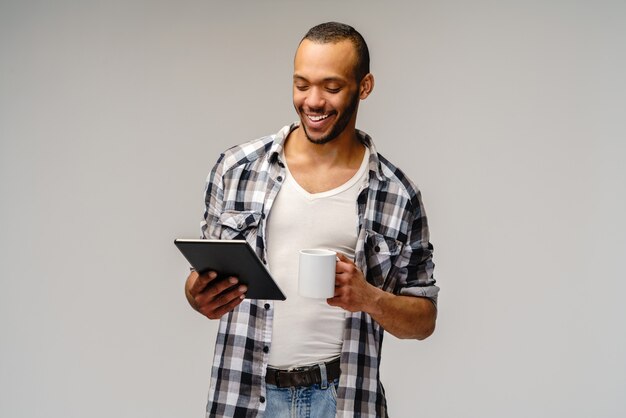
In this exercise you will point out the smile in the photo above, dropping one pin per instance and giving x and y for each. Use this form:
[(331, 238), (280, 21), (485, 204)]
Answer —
[(317, 118)]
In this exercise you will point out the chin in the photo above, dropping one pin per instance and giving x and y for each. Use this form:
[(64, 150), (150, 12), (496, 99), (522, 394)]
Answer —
[(321, 139)]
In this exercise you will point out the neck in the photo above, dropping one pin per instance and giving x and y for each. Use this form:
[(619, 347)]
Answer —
[(344, 150)]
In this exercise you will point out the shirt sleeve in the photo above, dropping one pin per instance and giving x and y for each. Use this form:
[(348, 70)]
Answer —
[(213, 201), (418, 255)]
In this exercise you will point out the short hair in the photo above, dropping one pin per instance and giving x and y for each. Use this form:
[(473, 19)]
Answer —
[(333, 32)]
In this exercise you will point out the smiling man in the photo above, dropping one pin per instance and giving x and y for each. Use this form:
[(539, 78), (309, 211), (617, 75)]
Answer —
[(317, 183), (326, 95)]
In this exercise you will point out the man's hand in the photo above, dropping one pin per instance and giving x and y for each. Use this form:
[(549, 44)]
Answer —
[(401, 316), (213, 297), (352, 292)]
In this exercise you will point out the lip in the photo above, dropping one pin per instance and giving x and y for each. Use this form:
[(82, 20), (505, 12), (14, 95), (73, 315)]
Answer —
[(318, 124)]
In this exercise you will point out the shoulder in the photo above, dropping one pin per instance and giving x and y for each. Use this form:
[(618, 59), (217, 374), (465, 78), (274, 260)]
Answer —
[(254, 151), (247, 152), (387, 177), (397, 178), (394, 206)]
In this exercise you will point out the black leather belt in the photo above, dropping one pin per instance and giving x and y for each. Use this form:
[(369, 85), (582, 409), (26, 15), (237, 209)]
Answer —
[(302, 376)]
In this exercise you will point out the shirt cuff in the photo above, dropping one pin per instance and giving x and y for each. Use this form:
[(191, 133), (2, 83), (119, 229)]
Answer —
[(429, 292)]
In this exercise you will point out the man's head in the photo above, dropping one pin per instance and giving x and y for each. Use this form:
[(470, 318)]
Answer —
[(334, 32), (331, 76)]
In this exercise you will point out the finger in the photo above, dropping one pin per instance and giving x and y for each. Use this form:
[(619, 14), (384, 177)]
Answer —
[(345, 268), (335, 301), (215, 288), (227, 296), (226, 308), (228, 301), (344, 262), (341, 279), (201, 281), (343, 258), (336, 296)]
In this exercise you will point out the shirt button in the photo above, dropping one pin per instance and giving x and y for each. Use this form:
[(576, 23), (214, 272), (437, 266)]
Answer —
[(262, 399), (267, 306), (279, 179), (377, 249), (266, 349)]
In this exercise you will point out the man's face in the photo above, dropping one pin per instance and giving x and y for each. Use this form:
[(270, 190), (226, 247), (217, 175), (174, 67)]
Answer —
[(325, 91)]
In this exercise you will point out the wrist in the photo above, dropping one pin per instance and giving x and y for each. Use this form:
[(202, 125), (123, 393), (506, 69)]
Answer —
[(375, 301)]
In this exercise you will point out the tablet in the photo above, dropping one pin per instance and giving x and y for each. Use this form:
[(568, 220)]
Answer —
[(231, 258)]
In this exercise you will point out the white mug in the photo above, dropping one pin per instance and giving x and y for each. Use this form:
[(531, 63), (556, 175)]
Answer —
[(316, 273)]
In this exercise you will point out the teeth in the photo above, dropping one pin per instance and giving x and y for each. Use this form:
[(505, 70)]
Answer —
[(317, 118)]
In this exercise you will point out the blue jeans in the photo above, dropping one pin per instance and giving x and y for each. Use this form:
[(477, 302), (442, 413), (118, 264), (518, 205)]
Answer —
[(315, 401)]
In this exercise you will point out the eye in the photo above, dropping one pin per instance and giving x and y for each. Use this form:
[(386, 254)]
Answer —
[(302, 87), (333, 90)]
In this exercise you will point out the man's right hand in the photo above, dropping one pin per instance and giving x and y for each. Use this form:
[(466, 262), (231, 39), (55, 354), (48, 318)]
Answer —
[(213, 297)]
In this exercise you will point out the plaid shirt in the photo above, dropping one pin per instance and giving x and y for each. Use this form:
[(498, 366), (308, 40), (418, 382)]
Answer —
[(393, 251)]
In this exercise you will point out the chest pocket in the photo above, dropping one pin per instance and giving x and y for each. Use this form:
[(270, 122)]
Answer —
[(240, 225), (381, 253)]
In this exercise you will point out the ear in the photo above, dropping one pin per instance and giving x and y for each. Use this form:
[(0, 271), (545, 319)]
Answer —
[(366, 86)]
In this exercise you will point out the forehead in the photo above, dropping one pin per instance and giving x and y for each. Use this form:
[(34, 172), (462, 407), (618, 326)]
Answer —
[(322, 60)]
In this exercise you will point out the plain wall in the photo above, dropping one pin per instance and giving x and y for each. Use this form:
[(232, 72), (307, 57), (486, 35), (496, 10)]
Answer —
[(508, 115)]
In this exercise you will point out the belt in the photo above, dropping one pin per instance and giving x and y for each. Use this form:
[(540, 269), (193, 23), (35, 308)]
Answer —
[(302, 376)]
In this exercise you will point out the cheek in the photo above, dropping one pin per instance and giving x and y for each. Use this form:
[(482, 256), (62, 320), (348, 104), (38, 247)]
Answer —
[(343, 102), (298, 99)]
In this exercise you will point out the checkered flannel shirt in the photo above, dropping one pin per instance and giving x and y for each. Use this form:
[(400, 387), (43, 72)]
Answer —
[(393, 251)]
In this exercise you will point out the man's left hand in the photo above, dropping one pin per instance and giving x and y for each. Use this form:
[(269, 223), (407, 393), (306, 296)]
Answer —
[(352, 292), (401, 316)]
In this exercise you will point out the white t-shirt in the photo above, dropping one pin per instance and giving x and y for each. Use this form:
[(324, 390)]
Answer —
[(308, 331)]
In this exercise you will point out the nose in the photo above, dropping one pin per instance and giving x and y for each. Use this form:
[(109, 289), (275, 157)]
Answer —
[(315, 99)]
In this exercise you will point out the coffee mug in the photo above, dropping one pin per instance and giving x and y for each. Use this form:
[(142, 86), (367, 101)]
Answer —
[(316, 273)]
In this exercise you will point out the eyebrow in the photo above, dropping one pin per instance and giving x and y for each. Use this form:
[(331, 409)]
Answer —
[(297, 77)]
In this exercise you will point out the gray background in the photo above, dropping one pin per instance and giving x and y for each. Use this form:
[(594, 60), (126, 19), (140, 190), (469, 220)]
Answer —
[(509, 115)]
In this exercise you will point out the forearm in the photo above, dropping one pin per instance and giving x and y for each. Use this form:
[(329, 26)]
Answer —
[(403, 316)]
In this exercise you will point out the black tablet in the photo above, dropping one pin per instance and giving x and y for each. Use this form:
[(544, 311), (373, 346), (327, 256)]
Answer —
[(231, 258)]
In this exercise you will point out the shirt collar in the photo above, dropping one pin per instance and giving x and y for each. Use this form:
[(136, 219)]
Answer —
[(278, 144)]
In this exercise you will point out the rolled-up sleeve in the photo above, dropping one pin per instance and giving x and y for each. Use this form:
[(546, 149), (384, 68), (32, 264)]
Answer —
[(417, 256)]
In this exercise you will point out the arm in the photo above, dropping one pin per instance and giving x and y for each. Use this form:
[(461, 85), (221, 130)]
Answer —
[(206, 293), (402, 316)]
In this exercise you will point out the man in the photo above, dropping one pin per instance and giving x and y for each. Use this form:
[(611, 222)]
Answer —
[(316, 183)]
